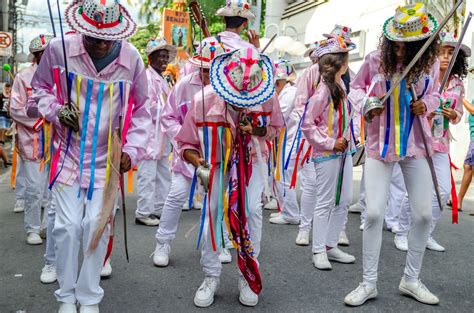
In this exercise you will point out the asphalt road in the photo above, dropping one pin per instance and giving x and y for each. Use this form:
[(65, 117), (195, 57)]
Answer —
[(291, 283)]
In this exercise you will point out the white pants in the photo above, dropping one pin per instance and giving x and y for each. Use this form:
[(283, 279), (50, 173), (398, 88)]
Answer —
[(153, 183), (20, 181), (378, 176), (177, 196), (210, 259), (50, 251), (35, 181), (308, 197), (76, 220), (397, 190), (329, 218), (443, 174), (287, 197)]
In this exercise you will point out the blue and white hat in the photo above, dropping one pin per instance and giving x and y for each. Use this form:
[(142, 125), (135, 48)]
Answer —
[(243, 78), (284, 70)]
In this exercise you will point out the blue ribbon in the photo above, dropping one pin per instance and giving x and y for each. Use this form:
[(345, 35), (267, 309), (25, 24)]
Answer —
[(220, 203), (203, 219), (90, 191), (387, 130), (297, 136), (192, 190), (85, 121)]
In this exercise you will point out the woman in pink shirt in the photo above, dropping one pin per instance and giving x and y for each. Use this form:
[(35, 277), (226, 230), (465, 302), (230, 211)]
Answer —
[(394, 135), (326, 127)]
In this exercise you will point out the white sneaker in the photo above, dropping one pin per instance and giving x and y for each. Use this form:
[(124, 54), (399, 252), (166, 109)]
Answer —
[(356, 208), (271, 205), (34, 239), (303, 238), (337, 255), (247, 297), (225, 256), (401, 242), (361, 294), (343, 240), (186, 205), (280, 220), (147, 221), (272, 215), (418, 291), (434, 246), (67, 308), (19, 207), (205, 294), (48, 274), (321, 262), (106, 269), (161, 254), (94, 308), (362, 226)]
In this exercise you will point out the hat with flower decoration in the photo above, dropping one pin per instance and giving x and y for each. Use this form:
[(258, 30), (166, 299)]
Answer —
[(284, 70), (309, 53), (341, 31), (39, 43), (410, 23), (447, 39), (332, 45), (236, 8), (243, 78), (161, 44), (207, 50), (102, 19)]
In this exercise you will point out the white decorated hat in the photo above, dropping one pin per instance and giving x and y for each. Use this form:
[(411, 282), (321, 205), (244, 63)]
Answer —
[(236, 8), (243, 78), (284, 70), (331, 46), (161, 44), (341, 31), (447, 39), (207, 50), (102, 19), (410, 23), (39, 43)]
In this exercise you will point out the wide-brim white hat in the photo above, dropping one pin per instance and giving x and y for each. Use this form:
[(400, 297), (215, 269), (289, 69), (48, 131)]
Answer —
[(228, 77), (207, 50), (236, 8), (161, 44), (122, 28), (447, 39)]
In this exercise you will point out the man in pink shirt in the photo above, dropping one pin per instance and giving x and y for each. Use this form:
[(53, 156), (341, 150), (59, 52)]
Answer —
[(29, 143), (154, 176), (108, 88), (240, 99), (171, 121), (236, 15)]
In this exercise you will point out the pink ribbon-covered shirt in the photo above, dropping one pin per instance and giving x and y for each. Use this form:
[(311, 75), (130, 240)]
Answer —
[(324, 124), (158, 91), (455, 92), (28, 140), (174, 113), (120, 90), (215, 112), (382, 143)]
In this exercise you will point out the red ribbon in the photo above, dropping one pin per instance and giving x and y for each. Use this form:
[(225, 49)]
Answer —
[(295, 170), (99, 25), (454, 195)]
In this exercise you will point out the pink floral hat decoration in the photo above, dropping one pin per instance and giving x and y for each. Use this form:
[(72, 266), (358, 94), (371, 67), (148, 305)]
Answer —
[(102, 19)]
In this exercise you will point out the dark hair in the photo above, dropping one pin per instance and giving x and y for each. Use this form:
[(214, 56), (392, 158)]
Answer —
[(460, 66), (329, 65), (7, 85), (234, 21), (388, 58)]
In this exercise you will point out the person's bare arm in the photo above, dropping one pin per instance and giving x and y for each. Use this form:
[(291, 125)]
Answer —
[(468, 105)]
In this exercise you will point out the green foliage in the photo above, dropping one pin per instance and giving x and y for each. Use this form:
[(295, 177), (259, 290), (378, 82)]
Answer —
[(142, 36)]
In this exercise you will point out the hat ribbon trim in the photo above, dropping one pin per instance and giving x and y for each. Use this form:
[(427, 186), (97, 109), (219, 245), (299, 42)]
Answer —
[(100, 25), (411, 12)]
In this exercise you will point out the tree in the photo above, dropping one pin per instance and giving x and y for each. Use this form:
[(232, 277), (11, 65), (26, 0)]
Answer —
[(142, 36)]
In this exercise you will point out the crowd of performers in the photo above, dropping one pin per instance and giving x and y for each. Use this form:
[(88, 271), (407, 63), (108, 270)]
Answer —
[(237, 132)]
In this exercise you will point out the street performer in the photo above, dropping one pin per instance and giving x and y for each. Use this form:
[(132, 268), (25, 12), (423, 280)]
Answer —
[(108, 86)]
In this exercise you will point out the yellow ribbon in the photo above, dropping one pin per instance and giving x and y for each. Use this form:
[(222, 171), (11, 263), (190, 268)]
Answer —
[(109, 143), (78, 98), (396, 118), (411, 12), (228, 139), (280, 149)]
